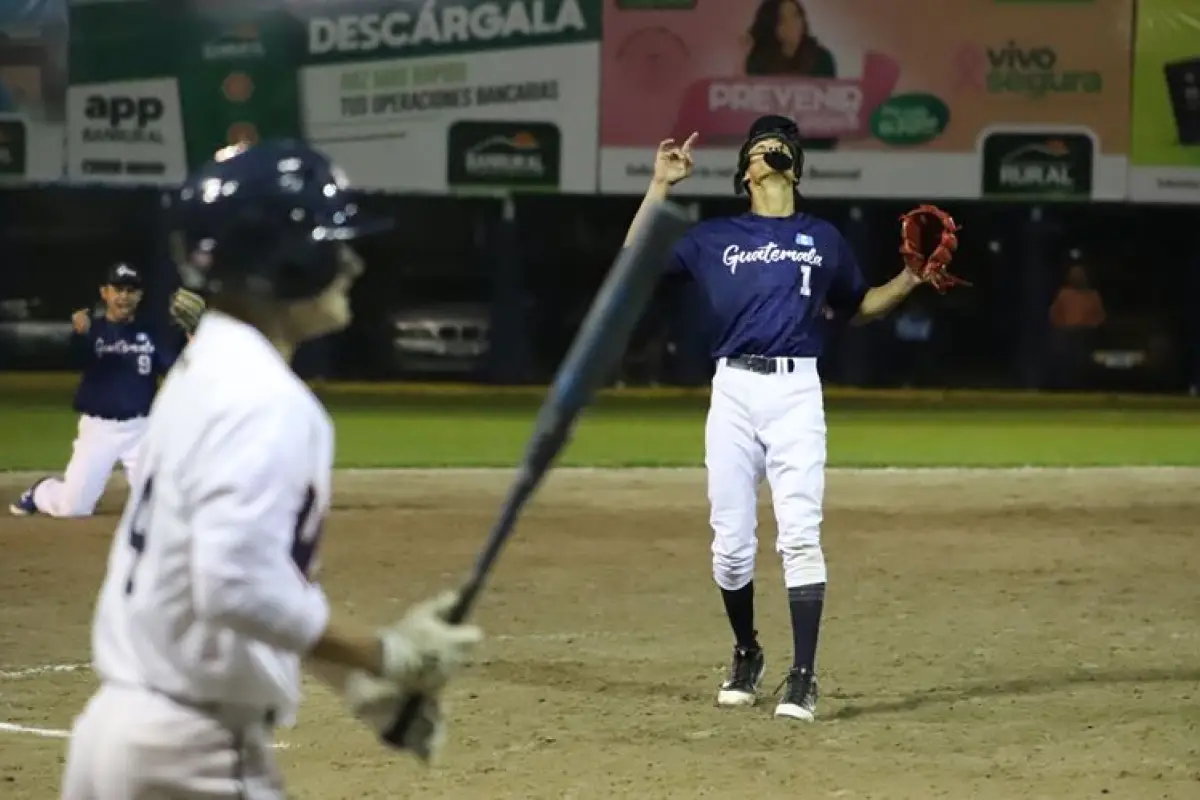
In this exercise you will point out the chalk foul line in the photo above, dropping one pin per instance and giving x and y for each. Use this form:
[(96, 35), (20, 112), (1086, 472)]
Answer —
[(54, 733), (35, 672)]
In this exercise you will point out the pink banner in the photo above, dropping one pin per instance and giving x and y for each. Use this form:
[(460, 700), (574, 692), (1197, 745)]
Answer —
[(712, 66), (725, 108)]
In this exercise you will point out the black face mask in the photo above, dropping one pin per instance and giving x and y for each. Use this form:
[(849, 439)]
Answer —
[(779, 160)]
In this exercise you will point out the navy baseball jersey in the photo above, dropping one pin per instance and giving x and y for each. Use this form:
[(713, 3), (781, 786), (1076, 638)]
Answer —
[(768, 280), (123, 363)]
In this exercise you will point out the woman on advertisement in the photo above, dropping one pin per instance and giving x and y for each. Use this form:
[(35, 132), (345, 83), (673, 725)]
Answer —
[(781, 43)]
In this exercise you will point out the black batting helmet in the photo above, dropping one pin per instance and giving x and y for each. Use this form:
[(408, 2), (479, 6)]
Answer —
[(265, 218), (771, 126)]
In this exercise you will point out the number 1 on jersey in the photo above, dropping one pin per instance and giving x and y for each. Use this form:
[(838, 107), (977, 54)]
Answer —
[(805, 280)]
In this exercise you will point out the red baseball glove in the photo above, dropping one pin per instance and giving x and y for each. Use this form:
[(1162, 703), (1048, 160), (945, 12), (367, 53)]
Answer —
[(927, 243)]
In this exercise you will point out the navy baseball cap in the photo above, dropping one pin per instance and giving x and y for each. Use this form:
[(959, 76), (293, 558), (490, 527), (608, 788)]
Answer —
[(123, 275)]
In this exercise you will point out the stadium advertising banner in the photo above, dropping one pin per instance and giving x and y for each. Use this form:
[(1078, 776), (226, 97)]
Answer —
[(33, 88), (126, 133), (413, 95), (1166, 103), (236, 64), (124, 114), (1011, 99)]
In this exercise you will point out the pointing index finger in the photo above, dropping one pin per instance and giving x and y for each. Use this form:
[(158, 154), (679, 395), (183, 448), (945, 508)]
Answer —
[(691, 140)]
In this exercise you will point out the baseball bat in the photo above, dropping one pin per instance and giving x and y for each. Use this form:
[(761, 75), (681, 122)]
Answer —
[(595, 351)]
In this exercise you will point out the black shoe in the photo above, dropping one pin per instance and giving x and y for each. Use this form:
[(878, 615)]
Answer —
[(745, 674), (799, 700)]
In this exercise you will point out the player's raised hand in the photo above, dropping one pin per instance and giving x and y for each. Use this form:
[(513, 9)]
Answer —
[(81, 321), (673, 162)]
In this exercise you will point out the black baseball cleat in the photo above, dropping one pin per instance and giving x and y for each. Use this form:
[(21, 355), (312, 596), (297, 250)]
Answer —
[(799, 700), (745, 674), (25, 507)]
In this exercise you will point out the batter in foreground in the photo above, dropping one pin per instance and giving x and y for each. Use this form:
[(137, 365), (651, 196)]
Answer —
[(769, 277), (210, 604)]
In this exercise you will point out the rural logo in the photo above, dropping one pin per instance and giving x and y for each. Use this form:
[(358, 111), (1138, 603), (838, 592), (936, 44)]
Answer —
[(239, 42), (504, 154), (1038, 164), (1012, 67), (12, 147)]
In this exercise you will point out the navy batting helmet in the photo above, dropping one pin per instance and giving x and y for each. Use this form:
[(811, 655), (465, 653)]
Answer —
[(771, 126), (265, 218)]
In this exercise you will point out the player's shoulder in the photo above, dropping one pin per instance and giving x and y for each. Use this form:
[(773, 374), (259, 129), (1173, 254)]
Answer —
[(707, 235), (818, 226), (246, 372), (714, 226)]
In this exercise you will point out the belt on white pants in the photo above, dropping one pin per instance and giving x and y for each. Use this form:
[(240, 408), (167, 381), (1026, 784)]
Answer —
[(769, 365)]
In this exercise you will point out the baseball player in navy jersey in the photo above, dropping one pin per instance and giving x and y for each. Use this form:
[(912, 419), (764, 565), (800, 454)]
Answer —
[(769, 276), (123, 361), (210, 604)]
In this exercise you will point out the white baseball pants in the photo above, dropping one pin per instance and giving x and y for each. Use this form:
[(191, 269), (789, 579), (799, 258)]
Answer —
[(772, 425), (99, 445), (133, 744)]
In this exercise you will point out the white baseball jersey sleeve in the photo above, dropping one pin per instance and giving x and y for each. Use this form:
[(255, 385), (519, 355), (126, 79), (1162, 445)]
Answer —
[(208, 596)]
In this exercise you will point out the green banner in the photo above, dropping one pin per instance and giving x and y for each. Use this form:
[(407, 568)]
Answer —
[(1165, 155), (237, 78), (130, 40), (124, 125), (158, 86)]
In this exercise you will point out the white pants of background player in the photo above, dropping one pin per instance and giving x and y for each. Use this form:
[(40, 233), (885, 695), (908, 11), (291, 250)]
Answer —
[(132, 744), (772, 425), (99, 445)]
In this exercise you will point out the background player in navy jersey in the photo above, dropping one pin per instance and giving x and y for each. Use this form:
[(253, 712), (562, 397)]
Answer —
[(124, 359), (769, 276)]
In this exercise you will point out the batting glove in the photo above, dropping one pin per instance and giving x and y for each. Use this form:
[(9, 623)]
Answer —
[(423, 650), (377, 702)]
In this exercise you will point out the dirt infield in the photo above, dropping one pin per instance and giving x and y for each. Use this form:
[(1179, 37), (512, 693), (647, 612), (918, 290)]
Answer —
[(989, 635)]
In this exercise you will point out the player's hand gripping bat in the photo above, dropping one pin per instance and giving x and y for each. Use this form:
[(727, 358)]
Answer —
[(599, 344)]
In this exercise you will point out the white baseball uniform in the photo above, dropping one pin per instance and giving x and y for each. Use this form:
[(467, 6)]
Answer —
[(207, 604)]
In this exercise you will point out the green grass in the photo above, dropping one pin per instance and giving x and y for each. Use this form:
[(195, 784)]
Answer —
[(464, 430)]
